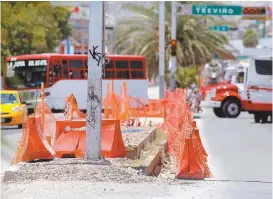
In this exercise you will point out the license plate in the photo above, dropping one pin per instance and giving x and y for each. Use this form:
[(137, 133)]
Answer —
[(2, 120)]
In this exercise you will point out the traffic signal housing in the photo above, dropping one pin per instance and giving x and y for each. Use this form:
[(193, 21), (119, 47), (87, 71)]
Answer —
[(173, 47)]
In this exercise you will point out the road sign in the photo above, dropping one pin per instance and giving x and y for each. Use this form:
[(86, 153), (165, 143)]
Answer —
[(256, 13), (219, 28), (217, 10)]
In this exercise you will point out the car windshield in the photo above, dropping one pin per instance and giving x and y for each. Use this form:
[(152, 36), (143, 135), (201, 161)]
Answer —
[(9, 99), (25, 73)]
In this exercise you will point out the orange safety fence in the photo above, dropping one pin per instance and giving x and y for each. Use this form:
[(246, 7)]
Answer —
[(48, 121), (184, 142), (72, 109), (41, 132), (124, 108)]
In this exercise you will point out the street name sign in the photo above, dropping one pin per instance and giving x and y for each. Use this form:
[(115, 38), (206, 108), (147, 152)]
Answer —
[(219, 28), (214, 10)]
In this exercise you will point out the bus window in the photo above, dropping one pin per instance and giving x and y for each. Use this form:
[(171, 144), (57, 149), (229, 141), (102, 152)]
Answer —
[(75, 74), (50, 74), (83, 74), (123, 75), (65, 66), (122, 64), (76, 64), (137, 74), (109, 74), (57, 71), (110, 65), (136, 65)]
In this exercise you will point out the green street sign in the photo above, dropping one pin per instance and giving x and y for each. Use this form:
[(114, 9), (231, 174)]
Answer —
[(215, 10), (219, 28)]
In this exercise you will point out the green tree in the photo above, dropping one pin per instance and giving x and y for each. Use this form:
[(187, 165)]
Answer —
[(250, 38), (32, 27), (184, 76), (196, 43)]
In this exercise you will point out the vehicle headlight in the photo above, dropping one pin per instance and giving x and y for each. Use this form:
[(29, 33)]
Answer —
[(16, 109)]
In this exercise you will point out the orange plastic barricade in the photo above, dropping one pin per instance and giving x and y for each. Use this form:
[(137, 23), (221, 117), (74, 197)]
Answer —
[(33, 144), (71, 138), (112, 145), (68, 134), (189, 167), (198, 139)]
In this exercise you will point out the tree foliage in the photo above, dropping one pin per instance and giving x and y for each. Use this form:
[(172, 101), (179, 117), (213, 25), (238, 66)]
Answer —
[(196, 43), (184, 76), (250, 38), (32, 27)]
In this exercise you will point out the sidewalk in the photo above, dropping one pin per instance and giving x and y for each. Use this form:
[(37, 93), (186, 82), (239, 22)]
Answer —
[(88, 190)]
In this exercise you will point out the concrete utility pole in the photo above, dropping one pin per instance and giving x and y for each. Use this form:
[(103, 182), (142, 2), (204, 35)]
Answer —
[(161, 48), (173, 58), (94, 92)]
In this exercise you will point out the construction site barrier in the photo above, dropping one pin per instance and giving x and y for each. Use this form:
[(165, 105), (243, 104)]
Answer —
[(189, 167), (33, 144), (71, 139), (184, 142)]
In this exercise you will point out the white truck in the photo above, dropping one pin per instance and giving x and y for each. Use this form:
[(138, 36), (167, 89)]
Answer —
[(258, 96)]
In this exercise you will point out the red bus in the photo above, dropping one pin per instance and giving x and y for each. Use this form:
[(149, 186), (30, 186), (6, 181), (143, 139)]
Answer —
[(64, 74)]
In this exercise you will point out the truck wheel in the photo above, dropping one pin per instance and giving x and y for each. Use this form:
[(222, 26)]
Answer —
[(257, 117), (231, 108), (219, 112), (264, 118)]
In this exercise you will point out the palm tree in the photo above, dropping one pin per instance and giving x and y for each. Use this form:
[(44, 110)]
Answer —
[(250, 39), (196, 43)]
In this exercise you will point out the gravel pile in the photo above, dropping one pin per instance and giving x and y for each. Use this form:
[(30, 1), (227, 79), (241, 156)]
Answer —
[(118, 171)]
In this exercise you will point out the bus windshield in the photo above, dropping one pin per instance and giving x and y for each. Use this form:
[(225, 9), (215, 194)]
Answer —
[(25, 73)]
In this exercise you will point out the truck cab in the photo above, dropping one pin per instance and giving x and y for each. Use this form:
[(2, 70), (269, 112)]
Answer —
[(258, 84), (226, 99)]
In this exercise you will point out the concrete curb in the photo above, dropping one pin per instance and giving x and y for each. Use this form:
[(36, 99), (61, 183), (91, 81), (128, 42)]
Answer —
[(151, 166), (134, 153)]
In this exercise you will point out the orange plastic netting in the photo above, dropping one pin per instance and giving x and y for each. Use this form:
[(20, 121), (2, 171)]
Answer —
[(178, 125)]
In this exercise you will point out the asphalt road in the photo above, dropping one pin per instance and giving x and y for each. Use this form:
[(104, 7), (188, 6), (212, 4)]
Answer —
[(239, 156)]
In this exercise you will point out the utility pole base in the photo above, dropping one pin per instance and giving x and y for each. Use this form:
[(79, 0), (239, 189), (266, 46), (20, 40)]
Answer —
[(100, 161)]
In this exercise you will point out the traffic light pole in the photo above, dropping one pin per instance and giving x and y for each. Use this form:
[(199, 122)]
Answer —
[(161, 48), (173, 57), (94, 83)]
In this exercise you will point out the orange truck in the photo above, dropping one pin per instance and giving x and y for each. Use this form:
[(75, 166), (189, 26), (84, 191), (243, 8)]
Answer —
[(251, 91), (226, 98)]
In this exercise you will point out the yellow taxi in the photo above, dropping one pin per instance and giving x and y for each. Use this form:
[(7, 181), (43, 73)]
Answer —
[(13, 111)]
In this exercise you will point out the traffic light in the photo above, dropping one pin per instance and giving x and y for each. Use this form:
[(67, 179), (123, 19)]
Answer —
[(173, 47), (254, 10)]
